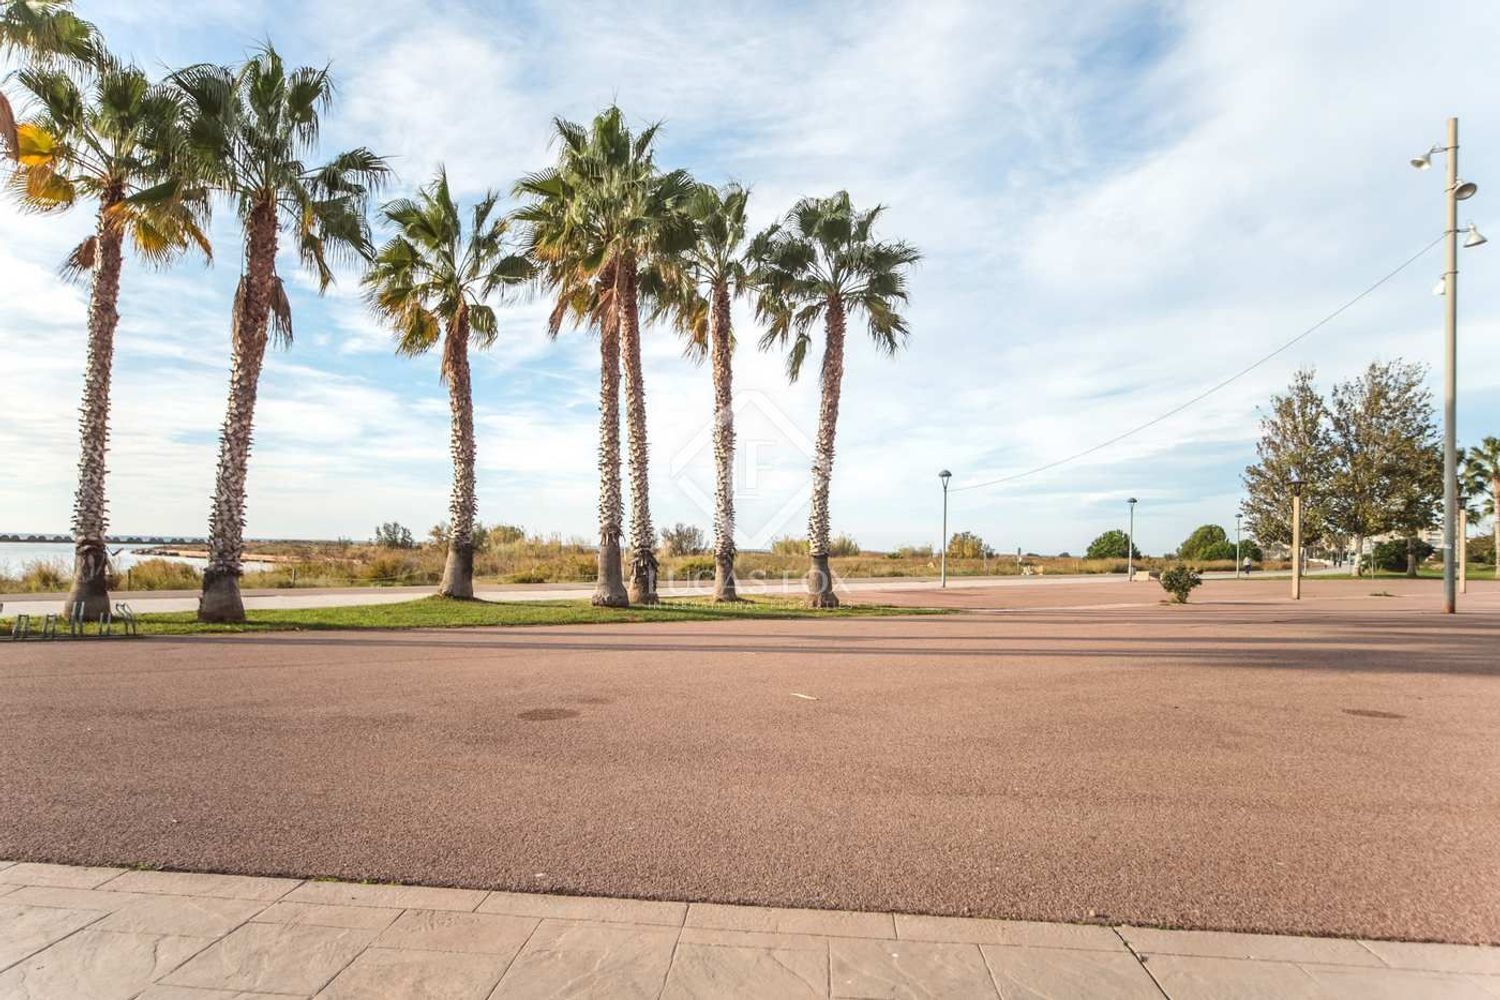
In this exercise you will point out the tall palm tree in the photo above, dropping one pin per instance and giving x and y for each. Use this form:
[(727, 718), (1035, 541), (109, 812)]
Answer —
[(431, 282), (101, 132), (823, 262), (249, 132), (1482, 468), (596, 219), (694, 288)]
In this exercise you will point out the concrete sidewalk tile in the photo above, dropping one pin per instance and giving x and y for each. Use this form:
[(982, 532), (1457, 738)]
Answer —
[(1490, 984), (26, 930), (206, 884), (1027, 933), (373, 918), (754, 939), (382, 973), (418, 897), (72, 899), (274, 958), (901, 969), (1344, 982), (62, 876), (778, 920), (6, 889), (97, 965), (1266, 947), (1043, 973), (730, 972), (575, 960), (1437, 957), (444, 930), (596, 908), (194, 916), (1198, 978)]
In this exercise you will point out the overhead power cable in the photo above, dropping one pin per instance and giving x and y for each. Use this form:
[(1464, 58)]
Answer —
[(1211, 389)]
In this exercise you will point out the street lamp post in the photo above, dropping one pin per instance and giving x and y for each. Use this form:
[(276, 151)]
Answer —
[(1237, 545), (1296, 539), (945, 475), (1130, 545), (1457, 190)]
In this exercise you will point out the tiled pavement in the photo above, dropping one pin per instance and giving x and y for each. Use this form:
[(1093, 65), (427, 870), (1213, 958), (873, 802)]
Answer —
[(75, 933)]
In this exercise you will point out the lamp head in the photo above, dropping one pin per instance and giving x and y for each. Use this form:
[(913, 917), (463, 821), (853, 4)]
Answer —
[(1296, 485), (1425, 160), (1464, 190), (1475, 237), (945, 475), (1132, 501)]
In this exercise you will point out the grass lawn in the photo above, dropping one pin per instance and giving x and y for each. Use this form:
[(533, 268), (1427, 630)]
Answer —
[(441, 612)]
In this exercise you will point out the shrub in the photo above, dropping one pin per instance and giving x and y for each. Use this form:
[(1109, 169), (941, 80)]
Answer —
[(966, 545), (1179, 581), (394, 535), (1391, 555), (911, 552), (683, 540), (157, 574), (693, 569), (789, 546), (1113, 544)]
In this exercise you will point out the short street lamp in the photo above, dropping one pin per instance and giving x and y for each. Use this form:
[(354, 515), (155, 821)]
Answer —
[(1130, 544), (1296, 485), (1455, 191), (945, 475)]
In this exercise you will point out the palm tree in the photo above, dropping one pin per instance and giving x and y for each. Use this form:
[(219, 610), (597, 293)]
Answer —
[(249, 133), (823, 262), (695, 288), (103, 133), (597, 218), (431, 281), (42, 32), (1482, 478)]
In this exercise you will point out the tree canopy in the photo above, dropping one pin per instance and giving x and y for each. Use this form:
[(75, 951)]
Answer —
[(1113, 544)]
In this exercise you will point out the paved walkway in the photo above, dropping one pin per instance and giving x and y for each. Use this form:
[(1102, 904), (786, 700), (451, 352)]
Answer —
[(75, 933), (142, 601)]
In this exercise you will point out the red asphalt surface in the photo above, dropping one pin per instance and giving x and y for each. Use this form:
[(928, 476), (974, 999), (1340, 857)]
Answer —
[(1240, 763)]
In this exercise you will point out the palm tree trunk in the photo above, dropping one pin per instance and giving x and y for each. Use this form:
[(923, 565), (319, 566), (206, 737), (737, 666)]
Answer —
[(226, 521), (610, 589), (724, 588), (90, 509), (458, 574), (642, 535), (819, 576)]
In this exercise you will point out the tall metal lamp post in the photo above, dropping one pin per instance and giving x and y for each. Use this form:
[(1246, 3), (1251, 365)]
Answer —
[(945, 475), (1457, 190), (1237, 545), (1296, 485), (1130, 545)]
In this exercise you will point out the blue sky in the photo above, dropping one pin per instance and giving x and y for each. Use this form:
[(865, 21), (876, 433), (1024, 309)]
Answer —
[(1119, 204)]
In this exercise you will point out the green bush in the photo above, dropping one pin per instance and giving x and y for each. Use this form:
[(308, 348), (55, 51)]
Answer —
[(1113, 544), (1179, 581), (157, 574), (1391, 556)]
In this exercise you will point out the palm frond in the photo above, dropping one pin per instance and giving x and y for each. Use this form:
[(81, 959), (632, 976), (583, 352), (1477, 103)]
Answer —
[(281, 314), (81, 261)]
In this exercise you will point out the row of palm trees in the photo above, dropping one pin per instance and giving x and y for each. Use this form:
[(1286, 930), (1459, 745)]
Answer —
[(611, 238)]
